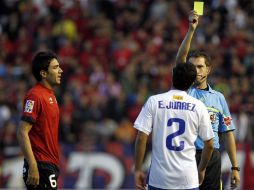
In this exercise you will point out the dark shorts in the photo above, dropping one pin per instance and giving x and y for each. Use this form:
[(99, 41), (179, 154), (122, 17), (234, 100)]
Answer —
[(48, 176), (155, 188), (212, 179)]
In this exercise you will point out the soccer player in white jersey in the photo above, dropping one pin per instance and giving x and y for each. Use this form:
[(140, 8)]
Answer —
[(175, 119)]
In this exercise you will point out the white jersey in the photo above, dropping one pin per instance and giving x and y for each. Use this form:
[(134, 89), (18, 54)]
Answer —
[(175, 120)]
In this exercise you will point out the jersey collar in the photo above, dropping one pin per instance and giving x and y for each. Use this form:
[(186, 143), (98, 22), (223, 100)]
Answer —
[(44, 87), (178, 91), (209, 89)]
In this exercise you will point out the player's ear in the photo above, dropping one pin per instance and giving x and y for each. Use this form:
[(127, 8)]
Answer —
[(43, 74)]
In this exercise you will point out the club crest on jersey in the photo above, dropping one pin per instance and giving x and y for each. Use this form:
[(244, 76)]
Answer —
[(227, 121), (29, 106), (51, 100), (212, 117)]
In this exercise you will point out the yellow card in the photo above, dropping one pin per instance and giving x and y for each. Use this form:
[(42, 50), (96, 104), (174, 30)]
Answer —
[(198, 7)]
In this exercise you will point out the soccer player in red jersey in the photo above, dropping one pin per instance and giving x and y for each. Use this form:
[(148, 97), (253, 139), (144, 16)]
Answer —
[(38, 131)]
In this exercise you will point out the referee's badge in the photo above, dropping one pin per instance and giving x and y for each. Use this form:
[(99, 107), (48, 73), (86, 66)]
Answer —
[(29, 106), (227, 121), (212, 117)]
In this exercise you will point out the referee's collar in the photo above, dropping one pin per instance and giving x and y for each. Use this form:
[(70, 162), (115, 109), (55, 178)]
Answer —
[(209, 89)]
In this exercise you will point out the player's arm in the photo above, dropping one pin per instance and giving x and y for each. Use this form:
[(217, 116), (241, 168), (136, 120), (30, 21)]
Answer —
[(205, 157), (140, 149), (185, 45), (230, 144), (25, 144)]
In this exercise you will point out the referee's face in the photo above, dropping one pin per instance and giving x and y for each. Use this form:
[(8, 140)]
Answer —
[(202, 70)]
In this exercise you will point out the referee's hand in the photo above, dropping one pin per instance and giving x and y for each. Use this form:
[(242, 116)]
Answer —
[(193, 19), (33, 178), (235, 179)]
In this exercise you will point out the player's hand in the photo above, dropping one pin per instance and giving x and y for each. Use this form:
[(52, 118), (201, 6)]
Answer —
[(193, 20), (201, 176), (140, 180), (235, 179), (33, 176)]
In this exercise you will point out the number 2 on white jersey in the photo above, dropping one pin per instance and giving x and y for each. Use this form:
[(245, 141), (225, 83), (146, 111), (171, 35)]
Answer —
[(169, 139)]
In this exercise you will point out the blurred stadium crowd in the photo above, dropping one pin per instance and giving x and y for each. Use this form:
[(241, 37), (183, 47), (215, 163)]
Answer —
[(115, 54)]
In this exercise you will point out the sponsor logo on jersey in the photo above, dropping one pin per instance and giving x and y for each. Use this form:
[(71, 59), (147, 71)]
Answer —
[(29, 106), (177, 97), (227, 121)]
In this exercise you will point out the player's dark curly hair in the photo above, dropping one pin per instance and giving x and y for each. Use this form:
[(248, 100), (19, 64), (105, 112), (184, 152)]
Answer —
[(184, 74), (41, 62)]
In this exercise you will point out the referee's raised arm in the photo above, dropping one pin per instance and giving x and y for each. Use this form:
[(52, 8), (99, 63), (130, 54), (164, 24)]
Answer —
[(183, 50)]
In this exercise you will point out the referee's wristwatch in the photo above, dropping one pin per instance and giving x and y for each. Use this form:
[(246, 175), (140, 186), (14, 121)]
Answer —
[(235, 168)]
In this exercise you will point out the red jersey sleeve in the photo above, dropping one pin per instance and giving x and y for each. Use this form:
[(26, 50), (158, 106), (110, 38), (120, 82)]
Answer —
[(31, 108)]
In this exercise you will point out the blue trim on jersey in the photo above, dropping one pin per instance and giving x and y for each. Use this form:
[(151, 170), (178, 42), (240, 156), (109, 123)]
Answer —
[(218, 110)]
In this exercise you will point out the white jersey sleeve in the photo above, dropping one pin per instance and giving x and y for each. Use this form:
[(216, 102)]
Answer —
[(144, 120)]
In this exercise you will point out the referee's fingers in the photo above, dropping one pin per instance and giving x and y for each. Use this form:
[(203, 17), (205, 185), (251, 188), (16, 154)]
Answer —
[(234, 184)]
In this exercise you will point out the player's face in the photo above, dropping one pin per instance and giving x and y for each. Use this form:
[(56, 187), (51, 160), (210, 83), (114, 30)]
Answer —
[(202, 70), (54, 73)]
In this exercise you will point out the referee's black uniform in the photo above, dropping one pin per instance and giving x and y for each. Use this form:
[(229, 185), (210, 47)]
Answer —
[(212, 180)]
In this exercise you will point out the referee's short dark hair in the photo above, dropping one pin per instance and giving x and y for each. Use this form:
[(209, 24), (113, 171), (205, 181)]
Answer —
[(184, 75), (41, 62), (200, 53)]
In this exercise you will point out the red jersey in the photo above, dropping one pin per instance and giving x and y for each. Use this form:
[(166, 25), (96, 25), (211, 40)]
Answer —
[(42, 111)]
